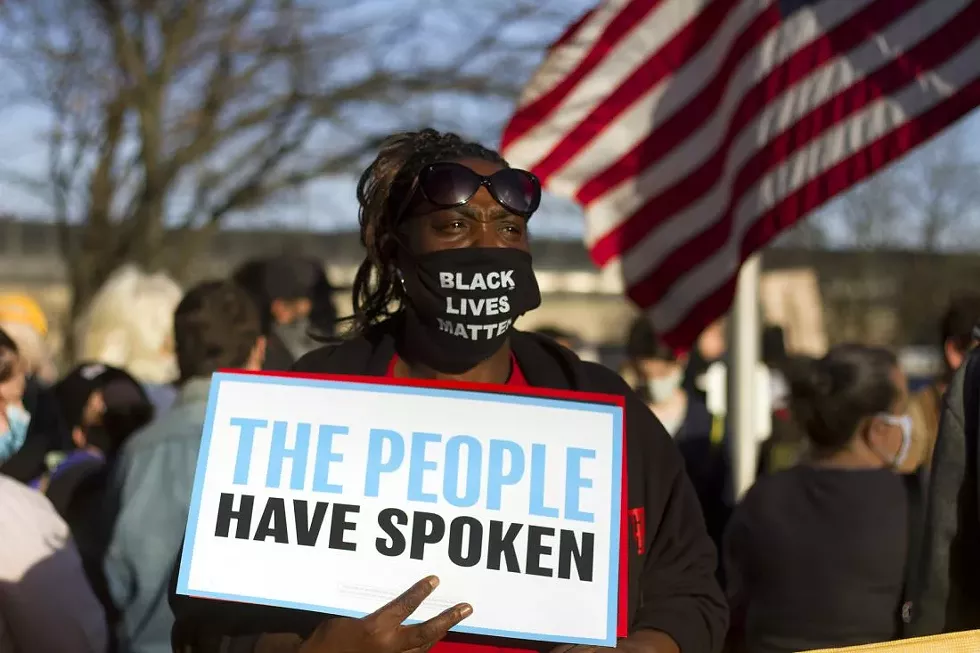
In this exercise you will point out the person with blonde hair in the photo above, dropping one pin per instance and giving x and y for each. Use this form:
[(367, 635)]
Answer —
[(22, 318), (129, 325)]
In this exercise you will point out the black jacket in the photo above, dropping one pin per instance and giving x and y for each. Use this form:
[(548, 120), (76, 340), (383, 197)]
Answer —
[(948, 596), (672, 586)]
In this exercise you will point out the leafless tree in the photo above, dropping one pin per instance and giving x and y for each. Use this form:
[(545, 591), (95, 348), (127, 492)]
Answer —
[(924, 205), (168, 116), (927, 202), (940, 191), (864, 218)]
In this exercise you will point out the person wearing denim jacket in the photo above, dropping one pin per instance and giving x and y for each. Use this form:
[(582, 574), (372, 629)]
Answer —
[(215, 326)]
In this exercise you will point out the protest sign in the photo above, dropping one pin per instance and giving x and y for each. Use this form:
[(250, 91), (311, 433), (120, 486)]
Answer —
[(336, 495)]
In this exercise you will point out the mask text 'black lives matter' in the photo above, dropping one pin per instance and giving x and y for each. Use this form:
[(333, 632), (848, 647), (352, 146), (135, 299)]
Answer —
[(463, 303)]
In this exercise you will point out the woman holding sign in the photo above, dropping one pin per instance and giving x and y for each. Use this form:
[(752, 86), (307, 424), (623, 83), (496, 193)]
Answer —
[(447, 272)]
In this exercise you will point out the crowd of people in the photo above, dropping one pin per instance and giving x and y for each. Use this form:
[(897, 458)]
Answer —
[(845, 538)]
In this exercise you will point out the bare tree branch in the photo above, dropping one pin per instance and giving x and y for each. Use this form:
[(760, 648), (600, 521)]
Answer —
[(167, 116), (940, 190)]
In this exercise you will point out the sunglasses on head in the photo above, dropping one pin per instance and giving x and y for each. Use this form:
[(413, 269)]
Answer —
[(448, 184)]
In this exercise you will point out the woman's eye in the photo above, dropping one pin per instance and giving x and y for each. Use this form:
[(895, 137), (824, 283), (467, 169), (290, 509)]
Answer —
[(453, 226)]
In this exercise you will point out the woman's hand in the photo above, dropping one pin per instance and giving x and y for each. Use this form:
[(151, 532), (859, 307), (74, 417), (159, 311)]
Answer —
[(383, 632)]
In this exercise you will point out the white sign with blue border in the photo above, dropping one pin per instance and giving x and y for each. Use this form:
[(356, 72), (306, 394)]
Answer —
[(335, 496)]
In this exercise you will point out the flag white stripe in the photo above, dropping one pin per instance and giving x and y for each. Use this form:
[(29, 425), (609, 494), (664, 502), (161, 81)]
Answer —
[(645, 38), (657, 105), (844, 140), (778, 116), (618, 204), (567, 56)]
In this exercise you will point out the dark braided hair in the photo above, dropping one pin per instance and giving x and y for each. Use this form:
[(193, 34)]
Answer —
[(831, 396), (382, 193)]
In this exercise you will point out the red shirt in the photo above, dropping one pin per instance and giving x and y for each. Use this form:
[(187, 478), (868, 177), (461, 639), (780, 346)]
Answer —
[(516, 379)]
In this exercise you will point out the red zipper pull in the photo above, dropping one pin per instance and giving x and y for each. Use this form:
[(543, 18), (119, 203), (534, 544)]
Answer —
[(639, 523)]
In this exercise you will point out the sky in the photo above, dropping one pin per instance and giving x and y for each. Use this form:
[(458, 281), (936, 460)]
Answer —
[(326, 205), (330, 204)]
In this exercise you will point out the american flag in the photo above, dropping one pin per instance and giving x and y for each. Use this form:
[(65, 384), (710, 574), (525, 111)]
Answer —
[(694, 131)]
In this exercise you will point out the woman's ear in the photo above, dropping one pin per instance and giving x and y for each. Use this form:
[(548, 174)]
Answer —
[(876, 433), (954, 356)]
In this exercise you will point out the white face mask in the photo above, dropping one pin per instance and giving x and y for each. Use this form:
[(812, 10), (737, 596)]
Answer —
[(903, 422), (12, 439), (663, 388)]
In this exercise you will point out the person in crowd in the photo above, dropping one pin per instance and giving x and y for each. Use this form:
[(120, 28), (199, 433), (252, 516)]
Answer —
[(815, 556), (24, 320), (658, 373), (787, 443), (46, 605), (15, 420), (104, 406), (432, 204), (709, 349), (962, 314), (323, 311), (30, 419), (294, 299), (129, 325), (946, 584), (216, 325)]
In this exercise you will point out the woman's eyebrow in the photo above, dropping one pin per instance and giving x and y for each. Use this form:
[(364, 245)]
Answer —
[(497, 213)]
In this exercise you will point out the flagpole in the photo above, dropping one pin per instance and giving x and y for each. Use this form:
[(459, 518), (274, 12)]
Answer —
[(745, 354)]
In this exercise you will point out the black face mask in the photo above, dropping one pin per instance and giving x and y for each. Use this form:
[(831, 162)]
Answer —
[(463, 303)]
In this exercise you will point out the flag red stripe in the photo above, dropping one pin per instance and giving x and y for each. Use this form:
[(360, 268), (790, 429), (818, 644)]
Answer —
[(526, 118), (671, 132), (685, 44), (659, 208), (895, 75), (817, 191)]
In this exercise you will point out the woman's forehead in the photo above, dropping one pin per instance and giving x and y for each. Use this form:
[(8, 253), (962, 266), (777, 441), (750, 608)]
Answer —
[(480, 166)]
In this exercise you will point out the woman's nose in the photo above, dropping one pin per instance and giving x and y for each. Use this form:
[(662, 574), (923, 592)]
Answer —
[(488, 235)]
